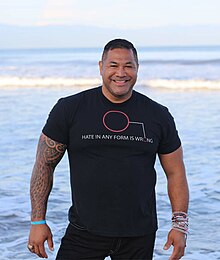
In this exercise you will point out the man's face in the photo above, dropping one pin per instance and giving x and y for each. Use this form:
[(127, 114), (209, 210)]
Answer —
[(119, 74)]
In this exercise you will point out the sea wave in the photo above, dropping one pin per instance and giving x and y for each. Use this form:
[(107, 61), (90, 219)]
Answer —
[(182, 84), (177, 84), (47, 82), (181, 61)]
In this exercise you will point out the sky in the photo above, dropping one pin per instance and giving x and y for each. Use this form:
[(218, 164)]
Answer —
[(124, 14)]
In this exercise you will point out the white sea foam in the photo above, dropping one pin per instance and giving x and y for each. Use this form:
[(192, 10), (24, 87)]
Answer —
[(47, 82), (17, 82), (182, 84)]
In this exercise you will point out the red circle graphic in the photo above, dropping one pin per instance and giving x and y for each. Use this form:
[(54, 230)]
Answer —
[(114, 130)]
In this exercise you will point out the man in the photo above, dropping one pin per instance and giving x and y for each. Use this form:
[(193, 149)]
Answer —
[(112, 135)]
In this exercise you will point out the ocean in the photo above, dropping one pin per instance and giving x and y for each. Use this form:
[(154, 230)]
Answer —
[(185, 79)]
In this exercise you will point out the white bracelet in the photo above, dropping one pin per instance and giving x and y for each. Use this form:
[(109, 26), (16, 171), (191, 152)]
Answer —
[(180, 221)]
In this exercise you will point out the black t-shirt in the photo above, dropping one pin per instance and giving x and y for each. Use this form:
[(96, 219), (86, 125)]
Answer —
[(112, 149)]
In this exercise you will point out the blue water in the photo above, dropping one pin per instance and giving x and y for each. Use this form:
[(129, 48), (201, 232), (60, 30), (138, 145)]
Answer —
[(23, 111), (156, 62)]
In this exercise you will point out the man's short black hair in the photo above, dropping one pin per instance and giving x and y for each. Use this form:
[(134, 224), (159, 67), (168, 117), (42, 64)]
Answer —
[(120, 44)]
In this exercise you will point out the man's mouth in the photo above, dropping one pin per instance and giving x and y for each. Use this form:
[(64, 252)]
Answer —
[(120, 82)]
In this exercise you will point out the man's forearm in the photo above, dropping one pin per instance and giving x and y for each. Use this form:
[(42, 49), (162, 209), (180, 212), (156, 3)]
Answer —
[(49, 153), (178, 192), (41, 185)]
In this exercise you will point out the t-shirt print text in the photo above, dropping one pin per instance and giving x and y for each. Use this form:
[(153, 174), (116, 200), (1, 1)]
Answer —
[(117, 122)]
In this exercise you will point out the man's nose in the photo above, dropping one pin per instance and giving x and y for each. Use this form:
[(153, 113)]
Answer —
[(120, 72)]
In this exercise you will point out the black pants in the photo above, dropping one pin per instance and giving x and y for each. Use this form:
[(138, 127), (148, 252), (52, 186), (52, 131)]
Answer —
[(80, 244)]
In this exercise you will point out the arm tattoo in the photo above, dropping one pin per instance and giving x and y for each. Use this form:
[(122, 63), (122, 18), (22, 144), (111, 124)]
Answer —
[(49, 154)]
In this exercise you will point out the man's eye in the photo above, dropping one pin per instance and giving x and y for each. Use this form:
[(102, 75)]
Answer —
[(113, 66)]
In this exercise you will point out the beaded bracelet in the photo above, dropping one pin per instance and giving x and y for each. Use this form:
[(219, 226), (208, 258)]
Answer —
[(38, 222), (180, 222)]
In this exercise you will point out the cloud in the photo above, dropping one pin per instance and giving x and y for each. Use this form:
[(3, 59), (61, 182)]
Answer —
[(57, 12), (127, 14)]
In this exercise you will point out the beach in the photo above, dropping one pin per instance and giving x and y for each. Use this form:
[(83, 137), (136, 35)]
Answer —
[(187, 81)]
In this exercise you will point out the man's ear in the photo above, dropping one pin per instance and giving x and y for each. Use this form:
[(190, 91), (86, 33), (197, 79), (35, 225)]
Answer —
[(100, 67)]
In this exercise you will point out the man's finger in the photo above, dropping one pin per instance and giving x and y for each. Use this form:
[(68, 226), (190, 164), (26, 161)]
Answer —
[(42, 251), (177, 253), (36, 250), (50, 243), (167, 245)]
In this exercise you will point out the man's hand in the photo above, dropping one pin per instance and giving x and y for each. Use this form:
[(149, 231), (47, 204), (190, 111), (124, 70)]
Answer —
[(178, 240), (38, 235)]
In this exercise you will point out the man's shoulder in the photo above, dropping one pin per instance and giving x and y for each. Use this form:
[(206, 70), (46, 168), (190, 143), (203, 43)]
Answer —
[(80, 95), (68, 106)]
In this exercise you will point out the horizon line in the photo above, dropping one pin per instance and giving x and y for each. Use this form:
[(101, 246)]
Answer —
[(110, 27), (165, 46)]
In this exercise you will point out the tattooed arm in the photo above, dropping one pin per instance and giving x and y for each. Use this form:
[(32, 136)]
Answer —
[(49, 154)]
